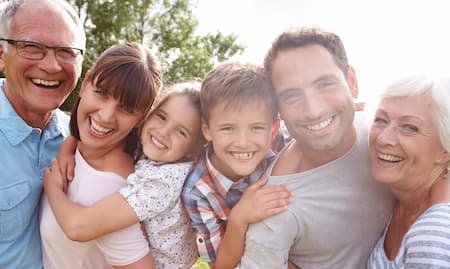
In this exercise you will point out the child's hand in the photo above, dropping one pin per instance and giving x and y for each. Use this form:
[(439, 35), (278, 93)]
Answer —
[(259, 202), (53, 177)]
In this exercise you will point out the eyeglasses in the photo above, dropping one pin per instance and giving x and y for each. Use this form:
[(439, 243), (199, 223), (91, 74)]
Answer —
[(36, 51)]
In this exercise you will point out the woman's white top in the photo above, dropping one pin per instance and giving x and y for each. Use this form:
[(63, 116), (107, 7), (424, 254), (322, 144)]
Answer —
[(118, 248)]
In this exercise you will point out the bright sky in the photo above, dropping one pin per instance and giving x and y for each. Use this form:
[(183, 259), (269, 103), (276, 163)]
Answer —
[(384, 39)]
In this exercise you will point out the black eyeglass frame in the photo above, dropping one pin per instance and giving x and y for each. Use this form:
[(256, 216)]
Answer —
[(14, 42)]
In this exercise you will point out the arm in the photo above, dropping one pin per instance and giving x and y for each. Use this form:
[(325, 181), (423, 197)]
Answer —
[(126, 248), (427, 238), (257, 203), (207, 225), (86, 223)]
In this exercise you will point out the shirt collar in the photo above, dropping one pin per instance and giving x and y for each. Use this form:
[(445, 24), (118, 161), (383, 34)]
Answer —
[(223, 183), (16, 130)]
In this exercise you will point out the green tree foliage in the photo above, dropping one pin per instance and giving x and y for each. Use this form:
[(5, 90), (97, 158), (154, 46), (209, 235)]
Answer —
[(166, 26)]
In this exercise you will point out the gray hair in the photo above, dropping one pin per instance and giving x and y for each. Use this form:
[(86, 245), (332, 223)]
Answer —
[(9, 9), (439, 88)]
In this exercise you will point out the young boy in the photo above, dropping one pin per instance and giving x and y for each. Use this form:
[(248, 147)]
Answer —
[(223, 195)]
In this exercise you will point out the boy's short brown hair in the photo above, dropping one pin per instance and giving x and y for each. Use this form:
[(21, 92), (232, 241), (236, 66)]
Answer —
[(236, 84)]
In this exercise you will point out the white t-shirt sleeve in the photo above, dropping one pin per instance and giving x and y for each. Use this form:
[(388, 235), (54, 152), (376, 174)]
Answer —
[(267, 245)]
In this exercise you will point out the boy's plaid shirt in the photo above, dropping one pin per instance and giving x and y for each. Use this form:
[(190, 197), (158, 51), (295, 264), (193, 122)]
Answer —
[(208, 197)]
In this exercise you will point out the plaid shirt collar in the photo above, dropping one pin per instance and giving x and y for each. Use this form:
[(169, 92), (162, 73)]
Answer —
[(224, 184)]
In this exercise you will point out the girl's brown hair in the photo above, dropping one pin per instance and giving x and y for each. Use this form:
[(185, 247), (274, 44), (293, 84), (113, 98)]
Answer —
[(190, 90)]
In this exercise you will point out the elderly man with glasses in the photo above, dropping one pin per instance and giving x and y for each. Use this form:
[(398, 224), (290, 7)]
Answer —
[(41, 54)]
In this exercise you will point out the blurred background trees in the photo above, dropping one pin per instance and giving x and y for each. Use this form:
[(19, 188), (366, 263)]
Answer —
[(166, 26)]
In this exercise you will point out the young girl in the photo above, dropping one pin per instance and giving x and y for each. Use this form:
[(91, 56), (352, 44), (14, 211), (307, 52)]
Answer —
[(114, 97), (170, 141)]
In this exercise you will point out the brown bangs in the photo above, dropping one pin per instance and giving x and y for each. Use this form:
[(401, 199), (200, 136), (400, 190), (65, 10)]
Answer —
[(127, 81)]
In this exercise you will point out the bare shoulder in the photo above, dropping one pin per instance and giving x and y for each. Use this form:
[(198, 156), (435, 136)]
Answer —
[(288, 161), (120, 163)]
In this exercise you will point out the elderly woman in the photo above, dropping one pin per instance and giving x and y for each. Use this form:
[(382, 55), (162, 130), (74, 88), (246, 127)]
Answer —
[(409, 146)]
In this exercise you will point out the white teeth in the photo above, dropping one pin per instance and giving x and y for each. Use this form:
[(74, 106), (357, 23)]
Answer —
[(320, 125), (49, 83), (389, 157), (99, 129), (243, 155), (157, 143)]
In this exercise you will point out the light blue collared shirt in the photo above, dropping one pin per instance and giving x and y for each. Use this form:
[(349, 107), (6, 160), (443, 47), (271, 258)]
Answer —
[(25, 152)]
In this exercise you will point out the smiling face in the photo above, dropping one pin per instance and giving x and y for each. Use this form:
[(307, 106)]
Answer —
[(35, 87), (240, 137), (404, 142), (103, 123), (315, 99), (172, 130)]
